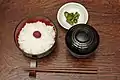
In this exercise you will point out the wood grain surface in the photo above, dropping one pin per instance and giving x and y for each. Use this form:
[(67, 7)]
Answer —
[(104, 16)]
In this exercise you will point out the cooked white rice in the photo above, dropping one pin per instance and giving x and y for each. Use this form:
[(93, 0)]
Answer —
[(31, 45)]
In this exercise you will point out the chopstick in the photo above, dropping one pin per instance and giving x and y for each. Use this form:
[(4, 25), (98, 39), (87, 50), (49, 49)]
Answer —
[(82, 71)]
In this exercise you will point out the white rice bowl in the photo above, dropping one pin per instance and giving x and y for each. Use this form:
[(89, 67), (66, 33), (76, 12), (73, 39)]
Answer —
[(31, 45)]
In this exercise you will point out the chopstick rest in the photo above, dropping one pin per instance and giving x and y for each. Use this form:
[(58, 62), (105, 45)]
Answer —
[(33, 64)]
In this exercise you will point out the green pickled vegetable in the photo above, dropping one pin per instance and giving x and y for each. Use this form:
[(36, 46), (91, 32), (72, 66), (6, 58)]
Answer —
[(75, 20), (70, 22), (71, 18), (66, 14)]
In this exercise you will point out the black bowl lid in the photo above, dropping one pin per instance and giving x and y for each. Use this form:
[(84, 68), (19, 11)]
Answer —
[(82, 39)]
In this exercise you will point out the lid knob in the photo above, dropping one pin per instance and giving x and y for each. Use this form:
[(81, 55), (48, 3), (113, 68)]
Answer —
[(82, 36)]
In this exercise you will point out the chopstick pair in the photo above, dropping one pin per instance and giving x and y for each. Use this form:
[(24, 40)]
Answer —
[(67, 70), (83, 70)]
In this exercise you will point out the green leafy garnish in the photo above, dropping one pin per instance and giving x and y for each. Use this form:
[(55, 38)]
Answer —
[(71, 18)]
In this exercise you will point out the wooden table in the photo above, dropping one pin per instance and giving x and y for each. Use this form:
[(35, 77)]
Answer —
[(104, 16)]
